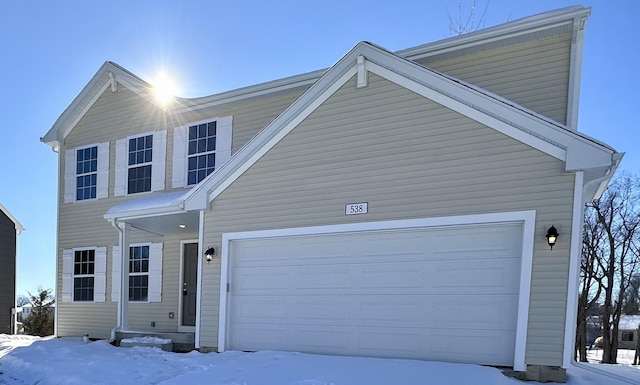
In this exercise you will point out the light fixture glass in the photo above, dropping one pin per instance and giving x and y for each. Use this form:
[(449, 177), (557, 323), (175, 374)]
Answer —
[(182, 225), (552, 236), (209, 254)]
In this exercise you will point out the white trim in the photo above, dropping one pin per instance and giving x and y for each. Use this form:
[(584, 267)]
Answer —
[(525, 217), (159, 160), (179, 168), (199, 293), (182, 328), (575, 71), (575, 255), (86, 108)]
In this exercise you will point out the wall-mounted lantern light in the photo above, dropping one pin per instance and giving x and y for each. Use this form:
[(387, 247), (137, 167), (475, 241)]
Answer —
[(209, 254), (552, 236)]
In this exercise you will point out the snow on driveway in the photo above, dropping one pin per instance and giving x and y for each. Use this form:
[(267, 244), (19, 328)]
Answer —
[(69, 361)]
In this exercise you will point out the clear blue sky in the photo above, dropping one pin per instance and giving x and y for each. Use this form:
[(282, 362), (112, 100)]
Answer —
[(51, 49)]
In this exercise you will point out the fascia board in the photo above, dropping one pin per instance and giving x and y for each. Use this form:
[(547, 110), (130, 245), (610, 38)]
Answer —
[(90, 94), (522, 26), (578, 151), (253, 91)]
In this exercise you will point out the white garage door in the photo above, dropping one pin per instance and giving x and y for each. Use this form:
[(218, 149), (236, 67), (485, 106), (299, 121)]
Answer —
[(440, 294)]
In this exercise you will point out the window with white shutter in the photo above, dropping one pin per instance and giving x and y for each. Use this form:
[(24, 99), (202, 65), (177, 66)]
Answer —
[(86, 175)]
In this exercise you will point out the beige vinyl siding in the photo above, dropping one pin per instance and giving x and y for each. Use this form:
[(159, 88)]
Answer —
[(117, 115), (407, 157), (534, 74)]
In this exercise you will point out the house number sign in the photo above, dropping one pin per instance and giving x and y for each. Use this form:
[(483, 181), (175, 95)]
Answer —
[(355, 208)]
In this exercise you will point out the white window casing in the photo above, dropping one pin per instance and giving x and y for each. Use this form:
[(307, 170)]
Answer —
[(159, 160), (102, 187), (70, 176), (223, 140), (99, 276), (155, 273), (179, 174), (157, 165), (120, 182), (116, 276), (67, 275), (224, 130)]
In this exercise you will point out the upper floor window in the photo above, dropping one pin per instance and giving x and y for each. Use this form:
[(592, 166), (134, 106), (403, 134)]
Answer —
[(139, 165), (86, 174), (199, 149)]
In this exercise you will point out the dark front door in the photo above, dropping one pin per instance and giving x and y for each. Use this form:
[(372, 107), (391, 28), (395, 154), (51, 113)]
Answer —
[(189, 284)]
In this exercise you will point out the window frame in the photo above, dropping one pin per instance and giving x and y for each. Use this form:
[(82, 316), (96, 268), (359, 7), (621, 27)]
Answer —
[(70, 186), (144, 164), (204, 153), (83, 275), (628, 334), (140, 273), (86, 174)]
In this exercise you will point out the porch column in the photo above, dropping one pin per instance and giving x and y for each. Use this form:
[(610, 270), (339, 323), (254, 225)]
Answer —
[(123, 302)]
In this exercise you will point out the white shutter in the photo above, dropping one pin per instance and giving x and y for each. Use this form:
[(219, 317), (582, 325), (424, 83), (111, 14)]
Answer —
[(70, 176), (179, 177), (67, 275), (103, 171), (223, 140), (120, 182), (155, 272), (116, 275), (158, 171), (100, 275)]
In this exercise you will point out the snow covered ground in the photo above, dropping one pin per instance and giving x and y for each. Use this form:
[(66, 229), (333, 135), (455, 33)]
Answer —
[(30, 360)]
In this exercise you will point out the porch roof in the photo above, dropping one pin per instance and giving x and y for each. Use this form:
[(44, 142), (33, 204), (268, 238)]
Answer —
[(144, 213)]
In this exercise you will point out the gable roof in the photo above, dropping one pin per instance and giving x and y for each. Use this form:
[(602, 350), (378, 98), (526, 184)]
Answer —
[(19, 227), (578, 151), (110, 74)]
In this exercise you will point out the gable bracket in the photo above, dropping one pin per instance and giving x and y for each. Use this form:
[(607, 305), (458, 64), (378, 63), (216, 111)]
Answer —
[(114, 83), (362, 72)]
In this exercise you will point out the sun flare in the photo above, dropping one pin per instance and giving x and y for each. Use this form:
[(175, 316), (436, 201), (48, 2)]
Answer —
[(164, 88)]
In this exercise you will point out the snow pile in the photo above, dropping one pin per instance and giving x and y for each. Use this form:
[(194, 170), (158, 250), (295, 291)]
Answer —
[(147, 340), (70, 361)]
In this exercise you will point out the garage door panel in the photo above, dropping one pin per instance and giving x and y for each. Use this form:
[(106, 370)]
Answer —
[(420, 293)]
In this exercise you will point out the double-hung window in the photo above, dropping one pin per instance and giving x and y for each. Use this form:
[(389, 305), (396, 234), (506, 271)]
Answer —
[(144, 264), (83, 274), (199, 149), (138, 273), (86, 174), (139, 164)]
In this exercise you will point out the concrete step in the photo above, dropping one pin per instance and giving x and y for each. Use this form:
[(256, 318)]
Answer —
[(182, 342)]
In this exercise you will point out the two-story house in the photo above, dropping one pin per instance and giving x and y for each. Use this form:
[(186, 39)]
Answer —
[(10, 228), (421, 204)]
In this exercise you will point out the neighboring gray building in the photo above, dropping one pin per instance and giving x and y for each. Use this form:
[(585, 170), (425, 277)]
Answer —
[(10, 228), (393, 205)]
